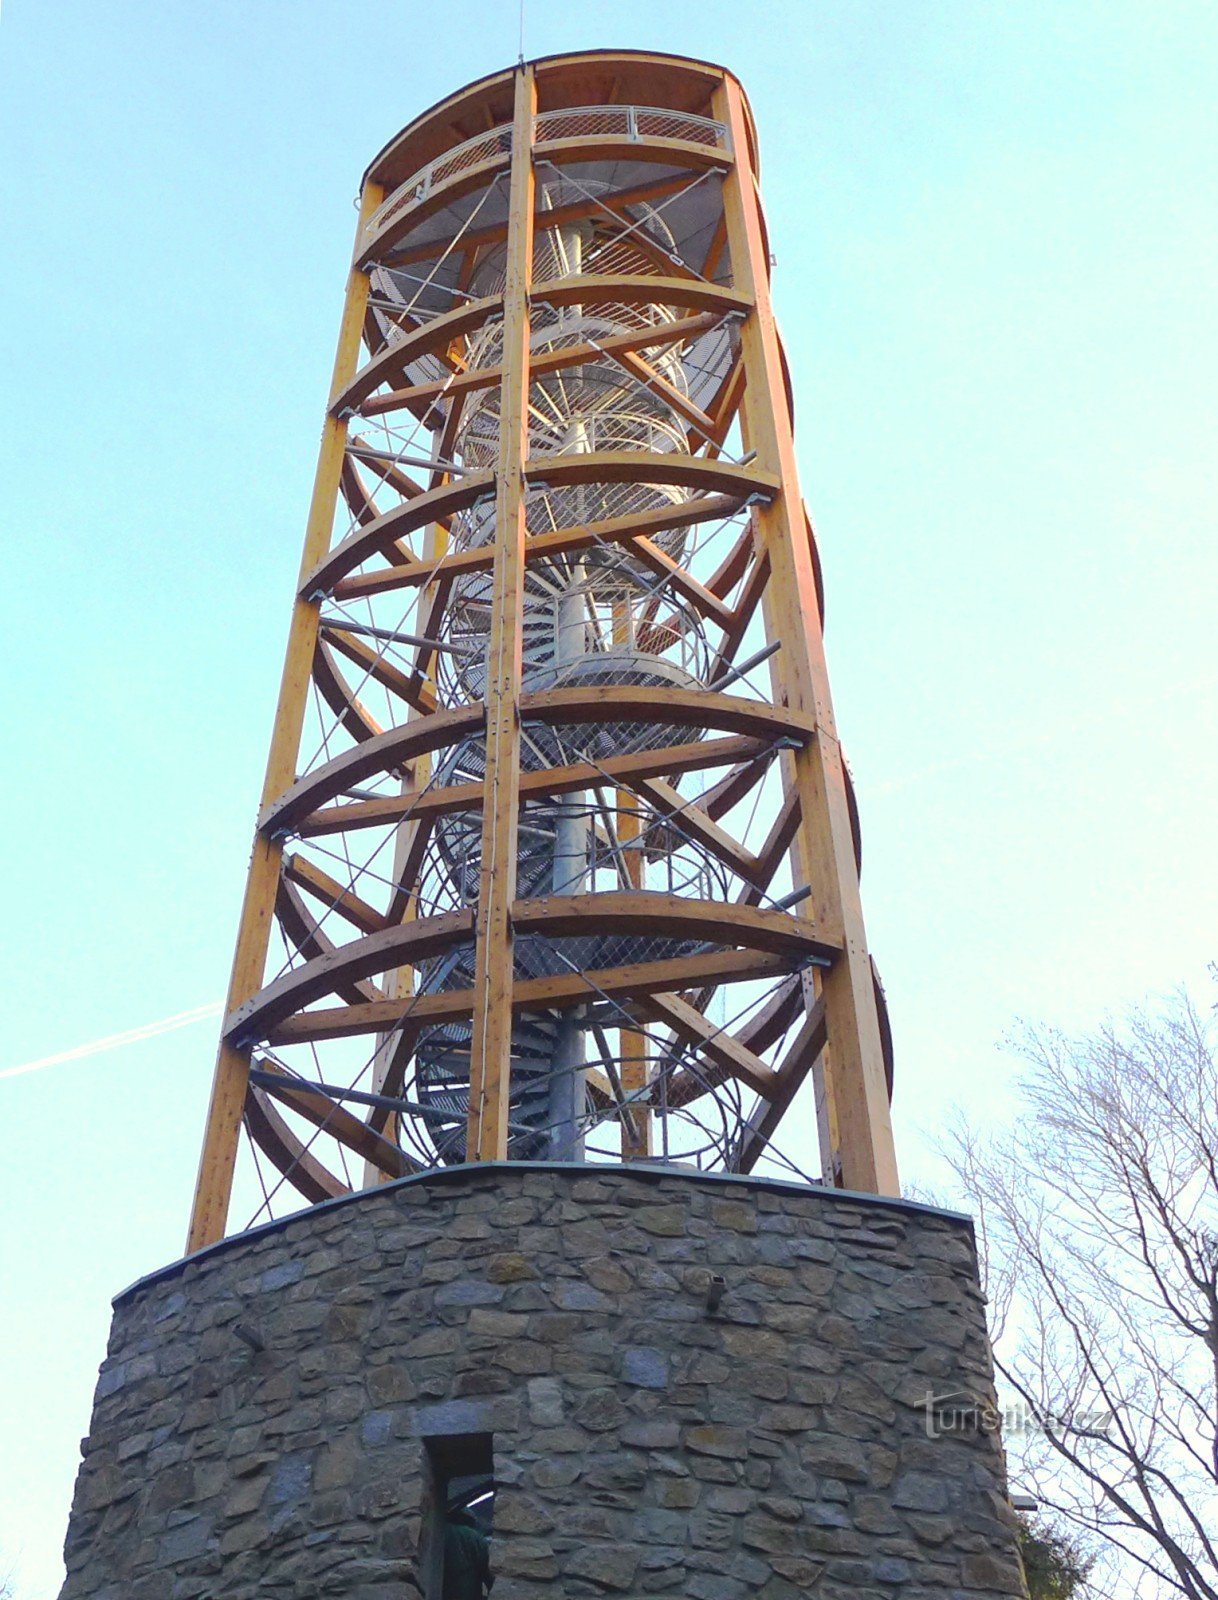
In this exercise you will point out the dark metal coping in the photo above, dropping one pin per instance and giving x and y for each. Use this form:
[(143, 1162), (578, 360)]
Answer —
[(644, 1171)]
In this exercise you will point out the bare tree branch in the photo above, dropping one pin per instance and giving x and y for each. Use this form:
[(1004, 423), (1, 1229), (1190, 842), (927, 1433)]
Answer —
[(1098, 1225)]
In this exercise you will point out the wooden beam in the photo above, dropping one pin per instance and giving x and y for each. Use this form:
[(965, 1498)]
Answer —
[(645, 915), (682, 153), (796, 1065), (409, 1015), (334, 689), (855, 1063), (734, 566), (542, 362), (490, 1061), (559, 217), (396, 747), (420, 697), (633, 1044), (545, 546), (430, 338), (778, 841), (443, 799), (303, 930), (750, 596), (683, 582), (643, 370), (689, 819), (268, 1130), (334, 1119), (726, 1055), (695, 473), (337, 896), (213, 1187)]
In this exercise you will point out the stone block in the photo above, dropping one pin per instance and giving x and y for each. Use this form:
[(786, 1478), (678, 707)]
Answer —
[(642, 1447)]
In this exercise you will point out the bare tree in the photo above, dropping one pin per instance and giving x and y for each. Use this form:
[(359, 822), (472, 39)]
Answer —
[(1098, 1221)]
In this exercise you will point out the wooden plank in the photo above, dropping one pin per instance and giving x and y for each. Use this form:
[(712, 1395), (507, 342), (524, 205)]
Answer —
[(490, 1062), (213, 1186)]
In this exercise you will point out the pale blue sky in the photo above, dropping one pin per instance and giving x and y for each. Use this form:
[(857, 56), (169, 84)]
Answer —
[(996, 234)]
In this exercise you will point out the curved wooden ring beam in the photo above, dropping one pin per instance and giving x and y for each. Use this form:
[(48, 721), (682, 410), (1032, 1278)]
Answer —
[(448, 797), (595, 703), (435, 336), (623, 912), (314, 943), (673, 152), (408, 1016), (544, 546), (338, 694), (299, 1166), (701, 474)]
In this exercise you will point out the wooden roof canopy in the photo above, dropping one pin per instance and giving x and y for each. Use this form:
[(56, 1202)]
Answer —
[(586, 78)]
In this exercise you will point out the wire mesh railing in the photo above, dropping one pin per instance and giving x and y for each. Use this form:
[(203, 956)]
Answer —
[(633, 123)]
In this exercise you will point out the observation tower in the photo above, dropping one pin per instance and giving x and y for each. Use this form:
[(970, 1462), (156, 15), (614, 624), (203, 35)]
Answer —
[(552, 913)]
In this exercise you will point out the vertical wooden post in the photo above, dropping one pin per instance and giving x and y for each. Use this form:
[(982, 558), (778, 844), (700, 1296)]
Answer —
[(491, 1044), (635, 1068), (855, 1086), (213, 1188)]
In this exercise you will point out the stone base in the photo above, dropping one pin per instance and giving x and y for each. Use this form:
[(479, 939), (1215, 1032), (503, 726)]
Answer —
[(780, 1445)]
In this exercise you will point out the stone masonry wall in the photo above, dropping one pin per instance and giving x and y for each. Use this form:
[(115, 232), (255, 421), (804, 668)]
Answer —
[(644, 1445)]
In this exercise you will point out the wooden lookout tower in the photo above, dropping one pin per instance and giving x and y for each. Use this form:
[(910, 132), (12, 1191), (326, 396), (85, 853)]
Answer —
[(552, 917)]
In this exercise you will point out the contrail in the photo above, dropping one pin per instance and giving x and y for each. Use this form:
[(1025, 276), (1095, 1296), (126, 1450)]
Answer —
[(112, 1041)]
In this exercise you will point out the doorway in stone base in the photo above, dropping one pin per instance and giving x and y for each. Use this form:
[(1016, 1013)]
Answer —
[(455, 1543)]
